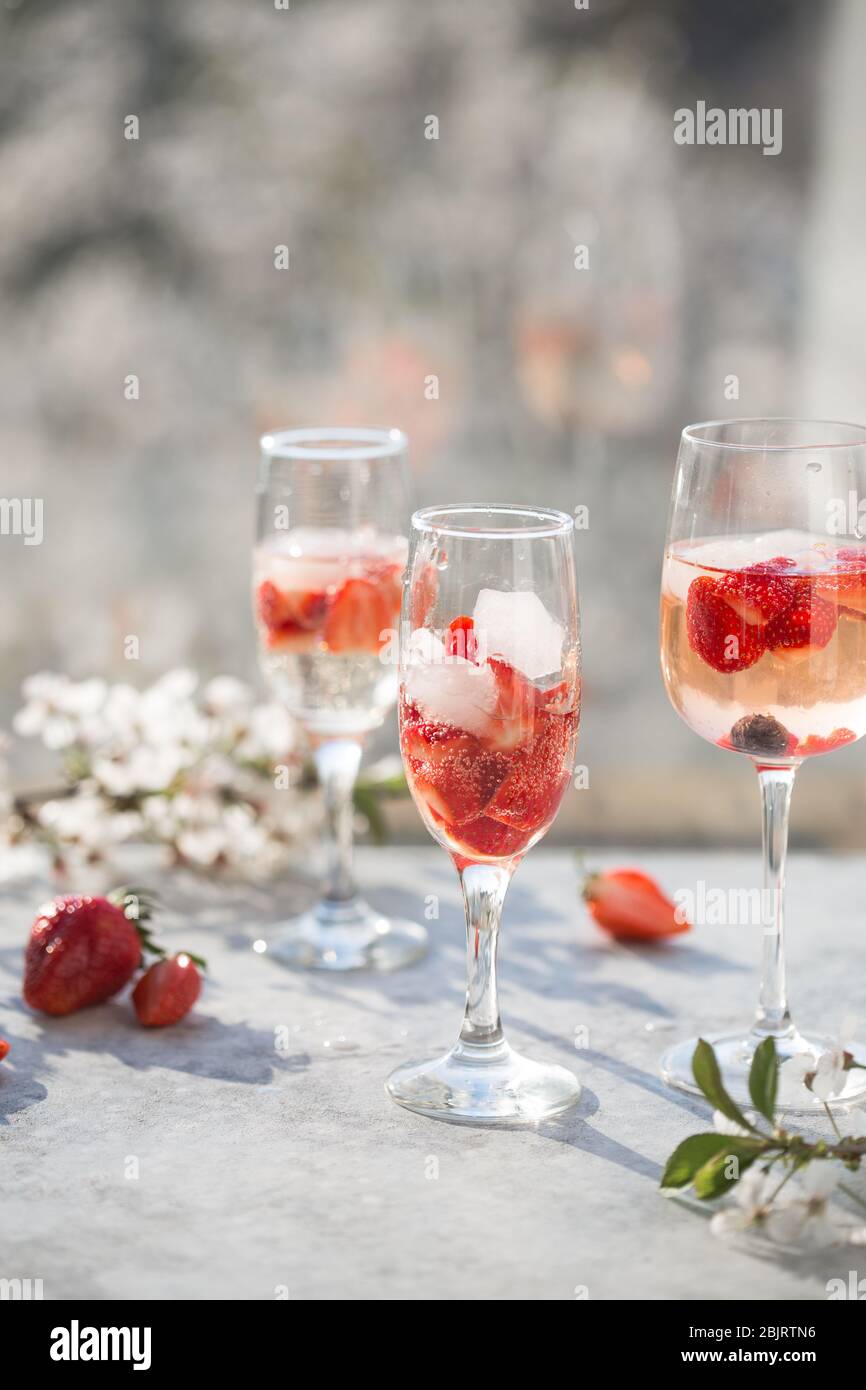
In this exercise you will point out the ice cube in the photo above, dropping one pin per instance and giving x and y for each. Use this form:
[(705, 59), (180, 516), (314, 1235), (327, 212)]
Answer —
[(518, 628), (424, 647), (455, 692)]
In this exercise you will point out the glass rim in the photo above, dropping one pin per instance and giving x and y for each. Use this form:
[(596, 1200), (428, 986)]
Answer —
[(362, 443), (691, 433), (547, 521)]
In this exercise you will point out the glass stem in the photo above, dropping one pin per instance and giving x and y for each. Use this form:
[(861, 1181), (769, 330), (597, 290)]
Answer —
[(773, 1018), (337, 763), (484, 887)]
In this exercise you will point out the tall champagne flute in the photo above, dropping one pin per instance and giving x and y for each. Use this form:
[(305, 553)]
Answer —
[(763, 650), (327, 578), (489, 707)]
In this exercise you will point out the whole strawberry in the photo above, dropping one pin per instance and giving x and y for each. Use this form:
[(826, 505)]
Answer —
[(167, 991), (4, 1049), (629, 905), (83, 950)]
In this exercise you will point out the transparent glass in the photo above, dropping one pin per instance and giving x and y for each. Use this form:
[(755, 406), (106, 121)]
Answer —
[(489, 711), (328, 571), (763, 652)]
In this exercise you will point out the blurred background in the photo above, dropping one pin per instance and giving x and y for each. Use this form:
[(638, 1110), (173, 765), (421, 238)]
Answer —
[(432, 284)]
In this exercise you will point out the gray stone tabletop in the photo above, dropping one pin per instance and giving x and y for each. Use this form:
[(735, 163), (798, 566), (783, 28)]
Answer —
[(251, 1152)]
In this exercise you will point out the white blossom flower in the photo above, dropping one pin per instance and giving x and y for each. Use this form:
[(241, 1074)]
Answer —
[(225, 695), (749, 1207), (851, 1124), (87, 821), (804, 1217), (271, 735), (47, 711), (188, 769)]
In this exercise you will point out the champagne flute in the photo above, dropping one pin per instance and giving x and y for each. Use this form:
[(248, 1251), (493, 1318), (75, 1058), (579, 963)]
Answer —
[(763, 651), (488, 713), (327, 580)]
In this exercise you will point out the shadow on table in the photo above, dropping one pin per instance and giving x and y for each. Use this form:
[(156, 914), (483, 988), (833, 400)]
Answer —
[(198, 1046)]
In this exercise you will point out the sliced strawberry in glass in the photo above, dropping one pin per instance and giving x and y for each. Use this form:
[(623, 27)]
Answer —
[(460, 639), (489, 839), (272, 606), (357, 616), (815, 743), (808, 625), (513, 719), (722, 638), (529, 796)]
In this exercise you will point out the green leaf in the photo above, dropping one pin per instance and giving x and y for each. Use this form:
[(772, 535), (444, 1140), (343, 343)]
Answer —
[(764, 1078), (727, 1167), (705, 1070), (691, 1155)]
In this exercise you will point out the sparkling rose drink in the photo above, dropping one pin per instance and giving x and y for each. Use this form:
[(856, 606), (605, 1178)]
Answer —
[(327, 602), (327, 583), (489, 700), (487, 751), (764, 641), (763, 652)]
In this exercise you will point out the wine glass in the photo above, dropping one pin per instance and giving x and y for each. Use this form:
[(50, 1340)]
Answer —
[(763, 652), (488, 714), (327, 580)]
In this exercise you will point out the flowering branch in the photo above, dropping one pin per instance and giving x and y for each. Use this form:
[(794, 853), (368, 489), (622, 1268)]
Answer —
[(761, 1159), (204, 773)]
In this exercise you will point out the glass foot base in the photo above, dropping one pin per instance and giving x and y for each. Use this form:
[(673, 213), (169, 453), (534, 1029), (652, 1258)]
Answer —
[(349, 936), (483, 1085), (734, 1054)]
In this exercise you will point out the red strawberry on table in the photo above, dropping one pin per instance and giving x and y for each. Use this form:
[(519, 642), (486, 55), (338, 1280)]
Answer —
[(358, 614), (720, 636), (629, 905), (4, 1049), (167, 991), (83, 950)]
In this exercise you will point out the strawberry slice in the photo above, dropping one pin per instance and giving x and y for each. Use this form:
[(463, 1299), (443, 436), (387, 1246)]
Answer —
[(816, 744), (484, 838), (760, 592), (631, 906), (721, 637), (460, 639), (450, 771), (291, 619), (513, 719), (358, 614), (808, 625), (847, 583), (529, 797), (273, 606), (388, 578)]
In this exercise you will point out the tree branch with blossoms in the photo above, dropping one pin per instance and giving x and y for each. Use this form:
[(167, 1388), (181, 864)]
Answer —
[(215, 777), (756, 1155)]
